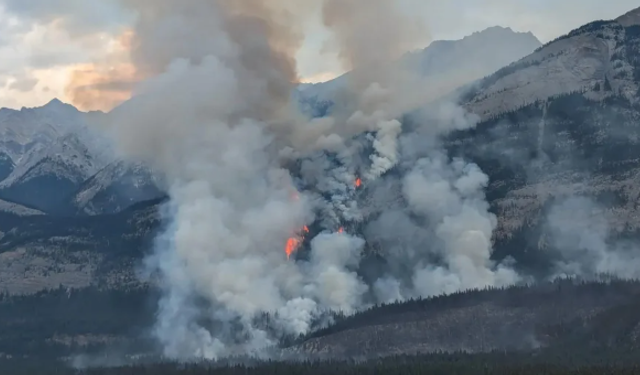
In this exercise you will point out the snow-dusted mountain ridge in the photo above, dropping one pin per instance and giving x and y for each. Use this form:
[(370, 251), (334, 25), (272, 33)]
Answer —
[(51, 151), (116, 187)]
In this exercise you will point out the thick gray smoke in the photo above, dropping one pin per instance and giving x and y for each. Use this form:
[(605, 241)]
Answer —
[(216, 121), (450, 195), (246, 172), (587, 246)]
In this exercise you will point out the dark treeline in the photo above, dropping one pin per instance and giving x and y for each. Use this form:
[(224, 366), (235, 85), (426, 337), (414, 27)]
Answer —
[(57, 322), (433, 364), (38, 329), (31, 323), (607, 290)]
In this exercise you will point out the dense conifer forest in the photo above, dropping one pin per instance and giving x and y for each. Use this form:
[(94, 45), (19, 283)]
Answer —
[(119, 322), (434, 364)]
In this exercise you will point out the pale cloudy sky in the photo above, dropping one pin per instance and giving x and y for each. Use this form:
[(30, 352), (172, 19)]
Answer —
[(41, 45)]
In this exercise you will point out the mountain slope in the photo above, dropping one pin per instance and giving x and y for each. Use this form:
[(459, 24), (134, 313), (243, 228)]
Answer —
[(114, 188), (445, 65), (559, 141), (50, 173), (39, 252), (47, 152), (20, 130), (545, 322), (564, 166), (6, 166), (600, 57), (539, 317)]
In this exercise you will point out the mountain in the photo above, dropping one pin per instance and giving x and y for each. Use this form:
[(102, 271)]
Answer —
[(6, 165), (560, 322), (55, 158), (599, 58), (49, 172), (21, 130), (115, 187), (543, 317), (40, 252), (558, 136), (16, 209), (444, 64), (559, 133)]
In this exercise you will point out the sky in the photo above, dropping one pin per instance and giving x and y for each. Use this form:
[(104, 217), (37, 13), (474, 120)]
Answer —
[(44, 43)]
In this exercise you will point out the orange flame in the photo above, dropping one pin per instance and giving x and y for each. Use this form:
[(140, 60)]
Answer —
[(341, 230), (358, 182), (294, 242), (291, 246)]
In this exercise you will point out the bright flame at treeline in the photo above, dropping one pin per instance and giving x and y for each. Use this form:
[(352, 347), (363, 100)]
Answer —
[(293, 243)]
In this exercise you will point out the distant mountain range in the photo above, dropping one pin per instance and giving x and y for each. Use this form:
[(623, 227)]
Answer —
[(52, 161)]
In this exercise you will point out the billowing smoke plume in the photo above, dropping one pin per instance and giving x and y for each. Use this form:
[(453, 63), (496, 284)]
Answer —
[(273, 212), (217, 122), (580, 232), (214, 120)]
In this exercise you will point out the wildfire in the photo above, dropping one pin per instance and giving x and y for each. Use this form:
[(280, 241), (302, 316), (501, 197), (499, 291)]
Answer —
[(341, 230), (358, 182), (294, 242)]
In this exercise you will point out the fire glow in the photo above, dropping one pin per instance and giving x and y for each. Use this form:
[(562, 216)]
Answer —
[(294, 242), (358, 182)]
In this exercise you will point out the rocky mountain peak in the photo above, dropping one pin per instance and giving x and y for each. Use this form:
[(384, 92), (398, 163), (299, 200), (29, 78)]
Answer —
[(630, 18), (596, 58)]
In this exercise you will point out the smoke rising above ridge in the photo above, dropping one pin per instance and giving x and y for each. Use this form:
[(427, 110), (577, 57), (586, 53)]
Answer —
[(249, 176), (246, 172)]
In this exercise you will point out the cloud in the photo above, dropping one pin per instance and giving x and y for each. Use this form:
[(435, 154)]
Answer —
[(76, 17), (547, 19), (43, 37), (23, 84)]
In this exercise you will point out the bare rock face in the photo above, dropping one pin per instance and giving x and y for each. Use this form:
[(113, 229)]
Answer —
[(56, 159), (114, 188), (588, 59), (631, 18)]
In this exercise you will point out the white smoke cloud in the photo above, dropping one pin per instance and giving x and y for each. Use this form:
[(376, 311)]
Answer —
[(452, 249), (585, 243), (335, 286), (246, 172)]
